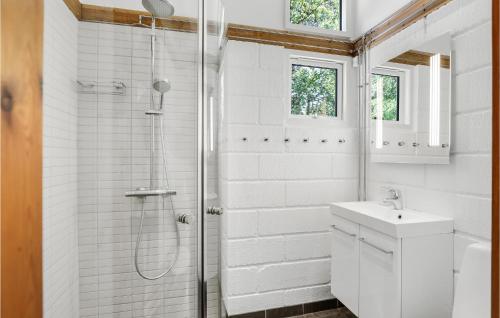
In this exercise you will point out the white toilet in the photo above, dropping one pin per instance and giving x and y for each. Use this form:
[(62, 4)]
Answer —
[(472, 295)]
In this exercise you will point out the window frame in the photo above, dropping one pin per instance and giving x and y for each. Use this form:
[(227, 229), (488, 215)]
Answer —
[(403, 76), (345, 22), (398, 101), (339, 66)]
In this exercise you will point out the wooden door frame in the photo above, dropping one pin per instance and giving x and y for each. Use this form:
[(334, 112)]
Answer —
[(21, 158)]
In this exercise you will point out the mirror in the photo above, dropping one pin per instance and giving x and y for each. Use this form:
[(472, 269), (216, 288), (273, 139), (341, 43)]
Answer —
[(410, 105)]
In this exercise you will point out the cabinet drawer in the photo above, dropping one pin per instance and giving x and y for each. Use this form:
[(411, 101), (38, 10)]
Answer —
[(379, 275), (345, 262)]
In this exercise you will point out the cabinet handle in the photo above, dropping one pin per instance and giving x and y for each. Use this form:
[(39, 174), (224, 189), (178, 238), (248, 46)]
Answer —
[(342, 231), (363, 240)]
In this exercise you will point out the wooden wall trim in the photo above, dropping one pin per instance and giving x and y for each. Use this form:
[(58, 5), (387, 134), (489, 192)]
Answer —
[(495, 265), (397, 22), (411, 13), (287, 39), (21, 158), (292, 40), (91, 13), (414, 58), (74, 6)]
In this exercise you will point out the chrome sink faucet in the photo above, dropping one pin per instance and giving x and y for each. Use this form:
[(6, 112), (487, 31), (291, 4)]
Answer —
[(394, 198)]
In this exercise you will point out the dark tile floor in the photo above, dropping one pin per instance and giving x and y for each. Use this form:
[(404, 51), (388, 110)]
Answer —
[(334, 313)]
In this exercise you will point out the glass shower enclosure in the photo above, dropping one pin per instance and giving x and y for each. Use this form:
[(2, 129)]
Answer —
[(146, 203)]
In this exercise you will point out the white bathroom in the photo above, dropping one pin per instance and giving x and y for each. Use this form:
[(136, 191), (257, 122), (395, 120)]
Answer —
[(250, 159)]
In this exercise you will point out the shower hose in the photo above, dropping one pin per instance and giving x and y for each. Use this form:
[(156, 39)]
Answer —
[(139, 235)]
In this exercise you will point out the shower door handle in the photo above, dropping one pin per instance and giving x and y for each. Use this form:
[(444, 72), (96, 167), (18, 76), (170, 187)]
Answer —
[(214, 211)]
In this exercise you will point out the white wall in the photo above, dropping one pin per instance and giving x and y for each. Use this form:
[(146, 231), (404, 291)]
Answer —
[(276, 243), (271, 13), (60, 228), (261, 13), (369, 13), (462, 189), (113, 157)]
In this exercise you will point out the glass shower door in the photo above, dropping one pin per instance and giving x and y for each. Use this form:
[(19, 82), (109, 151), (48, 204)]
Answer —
[(212, 47)]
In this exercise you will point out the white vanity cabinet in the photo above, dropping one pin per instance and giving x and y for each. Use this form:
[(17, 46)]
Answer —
[(391, 276), (345, 260), (379, 275)]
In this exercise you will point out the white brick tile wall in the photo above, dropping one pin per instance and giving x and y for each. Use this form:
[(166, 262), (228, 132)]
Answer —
[(254, 251), (293, 220), (461, 189), (477, 80), (272, 166), (468, 59), (307, 294), (473, 132), (243, 280), (256, 302), (241, 166), (292, 275), (238, 224), (242, 195), (245, 55), (244, 111), (308, 166), (60, 218), (307, 193), (308, 246), (271, 111), (276, 241), (345, 166), (113, 157)]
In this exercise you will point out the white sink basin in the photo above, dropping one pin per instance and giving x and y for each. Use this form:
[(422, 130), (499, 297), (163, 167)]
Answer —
[(395, 223)]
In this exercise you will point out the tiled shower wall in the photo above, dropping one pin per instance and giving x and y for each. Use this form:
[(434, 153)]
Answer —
[(460, 190), (276, 245), (60, 228), (113, 157)]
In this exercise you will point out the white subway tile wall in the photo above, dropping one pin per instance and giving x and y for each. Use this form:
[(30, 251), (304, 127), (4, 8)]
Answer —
[(60, 218), (460, 190), (275, 231), (113, 157)]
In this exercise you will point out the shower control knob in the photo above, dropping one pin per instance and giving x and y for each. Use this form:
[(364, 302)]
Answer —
[(184, 218), (214, 211)]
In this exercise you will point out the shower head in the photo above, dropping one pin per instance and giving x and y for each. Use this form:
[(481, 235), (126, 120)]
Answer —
[(162, 86), (159, 8)]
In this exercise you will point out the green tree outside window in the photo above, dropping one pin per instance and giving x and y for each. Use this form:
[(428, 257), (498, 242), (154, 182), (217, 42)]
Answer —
[(314, 91), (391, 96), (324, 14)]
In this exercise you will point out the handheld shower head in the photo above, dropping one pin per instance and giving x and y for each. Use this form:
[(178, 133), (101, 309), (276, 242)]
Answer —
[(162, 86), (159, 8)]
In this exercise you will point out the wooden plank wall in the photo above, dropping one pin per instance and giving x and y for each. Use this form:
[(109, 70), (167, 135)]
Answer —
[(21, 158)]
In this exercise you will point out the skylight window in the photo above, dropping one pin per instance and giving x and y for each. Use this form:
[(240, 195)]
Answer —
[(319, 15)]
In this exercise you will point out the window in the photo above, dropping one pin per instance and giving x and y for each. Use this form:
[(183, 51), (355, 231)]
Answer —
[(316, 16), (385, 95), (315, 88)]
